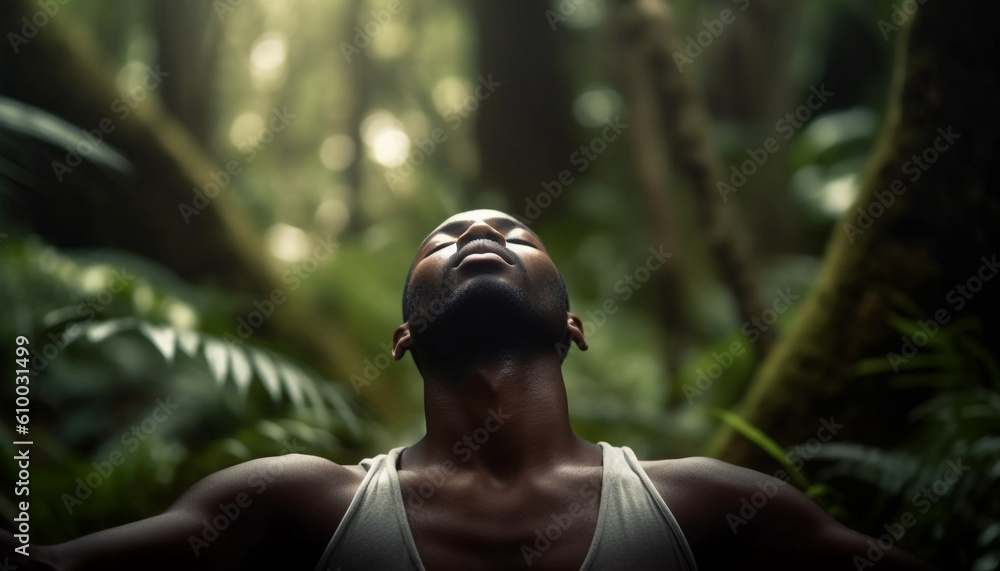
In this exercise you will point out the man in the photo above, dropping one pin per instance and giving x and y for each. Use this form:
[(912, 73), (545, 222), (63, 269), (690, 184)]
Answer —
[(499, 481)]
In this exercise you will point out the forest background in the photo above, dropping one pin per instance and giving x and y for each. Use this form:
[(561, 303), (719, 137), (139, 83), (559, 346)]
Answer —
[(778, 221)]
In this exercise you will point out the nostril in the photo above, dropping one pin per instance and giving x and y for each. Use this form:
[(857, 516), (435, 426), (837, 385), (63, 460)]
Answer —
[(481, 231)]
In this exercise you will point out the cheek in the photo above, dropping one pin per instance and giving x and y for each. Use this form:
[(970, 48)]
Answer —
[(540, 269), (428, 271), (428, 280), (422, 289)]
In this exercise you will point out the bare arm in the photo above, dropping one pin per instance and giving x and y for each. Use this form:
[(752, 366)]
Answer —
[(271, 513), (735, 518)]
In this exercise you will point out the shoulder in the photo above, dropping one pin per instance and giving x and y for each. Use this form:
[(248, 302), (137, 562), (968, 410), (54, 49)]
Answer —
[(698, 487), (720, 504), (280, 513), (736, 518), (285, 476), (302, 498), (699, 473)]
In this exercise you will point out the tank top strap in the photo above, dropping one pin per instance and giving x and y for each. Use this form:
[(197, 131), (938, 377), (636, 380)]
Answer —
[(374, 533), (638, 531)]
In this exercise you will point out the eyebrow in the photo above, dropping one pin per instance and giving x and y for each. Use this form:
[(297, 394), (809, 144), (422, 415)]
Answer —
[(457, 226)]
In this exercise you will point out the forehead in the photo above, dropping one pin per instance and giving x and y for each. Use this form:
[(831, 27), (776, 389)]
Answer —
[(475, 216), (462, 220)]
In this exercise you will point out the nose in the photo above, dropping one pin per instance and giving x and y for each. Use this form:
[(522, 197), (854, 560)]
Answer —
[(480, 231)]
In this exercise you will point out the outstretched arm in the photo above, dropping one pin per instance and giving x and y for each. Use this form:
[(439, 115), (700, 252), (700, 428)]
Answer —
[(271, 513), (735, 518)]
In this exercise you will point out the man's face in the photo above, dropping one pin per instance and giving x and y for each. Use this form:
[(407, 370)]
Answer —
[(484, 275)]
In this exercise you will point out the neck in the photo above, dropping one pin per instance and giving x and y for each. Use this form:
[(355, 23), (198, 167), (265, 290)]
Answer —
[(501, 416)]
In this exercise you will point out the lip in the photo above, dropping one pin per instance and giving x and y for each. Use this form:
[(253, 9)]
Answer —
[(482, 251), (481, 258)]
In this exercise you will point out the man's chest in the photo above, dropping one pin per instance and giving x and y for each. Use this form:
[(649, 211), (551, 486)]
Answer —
[(545, 524)]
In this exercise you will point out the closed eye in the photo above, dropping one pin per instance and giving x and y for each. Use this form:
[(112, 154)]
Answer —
[(522, 242), (438, 247)]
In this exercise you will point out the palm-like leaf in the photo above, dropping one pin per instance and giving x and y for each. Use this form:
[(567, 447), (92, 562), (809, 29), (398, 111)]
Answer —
[(228, 362)]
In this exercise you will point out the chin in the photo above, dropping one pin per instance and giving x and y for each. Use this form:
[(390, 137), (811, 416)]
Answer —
[(486, 315)]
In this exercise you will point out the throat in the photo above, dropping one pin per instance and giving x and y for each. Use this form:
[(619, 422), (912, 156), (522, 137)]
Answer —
[(503, 417)]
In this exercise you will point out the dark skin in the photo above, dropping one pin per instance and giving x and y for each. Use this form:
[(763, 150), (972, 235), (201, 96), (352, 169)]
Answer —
[(494, 499)]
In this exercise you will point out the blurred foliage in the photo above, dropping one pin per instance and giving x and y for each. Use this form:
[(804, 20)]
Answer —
[(123, 369), (959, 427)]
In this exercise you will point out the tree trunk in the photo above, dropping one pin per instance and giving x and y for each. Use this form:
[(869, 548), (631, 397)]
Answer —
[(657, 187), (922, 241), (58, 71), (525, 130), (644, 32), (187, 35)]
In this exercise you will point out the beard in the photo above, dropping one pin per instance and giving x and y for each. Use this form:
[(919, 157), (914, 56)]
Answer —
[(483, 319)]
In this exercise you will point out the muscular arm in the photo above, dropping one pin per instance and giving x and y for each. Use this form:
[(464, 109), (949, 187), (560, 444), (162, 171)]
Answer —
[(735, 518), (272, 513)]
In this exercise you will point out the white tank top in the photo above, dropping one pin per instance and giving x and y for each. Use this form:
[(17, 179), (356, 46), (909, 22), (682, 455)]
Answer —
[(635, 529)]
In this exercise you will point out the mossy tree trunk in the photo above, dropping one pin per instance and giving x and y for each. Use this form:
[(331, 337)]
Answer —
[(940, 141), (188, 34), (60, 71), (670, 122)]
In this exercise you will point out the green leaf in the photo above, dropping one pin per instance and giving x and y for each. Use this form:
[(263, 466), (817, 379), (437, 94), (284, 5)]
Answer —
[(237, 449), (218, 359), (97, 332), (314, 396), (881, 365), (163, 338), (818, 490), (268, 374), (760, 439), (240, 370), (188, 342), (343, 409), (293, 384), (899, 300)]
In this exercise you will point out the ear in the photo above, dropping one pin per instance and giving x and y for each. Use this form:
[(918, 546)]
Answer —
[(401, 341), (575, 328)]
